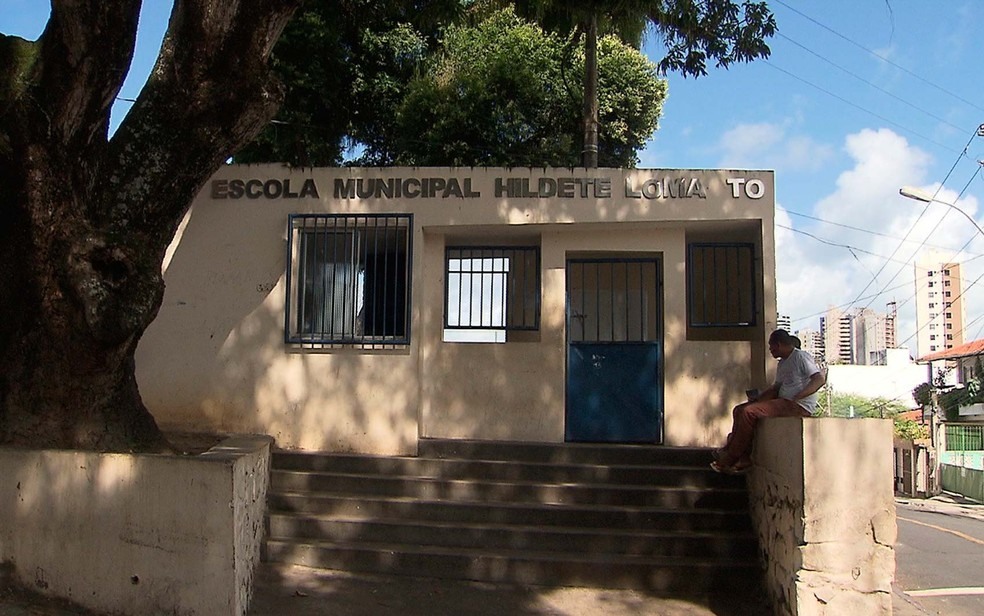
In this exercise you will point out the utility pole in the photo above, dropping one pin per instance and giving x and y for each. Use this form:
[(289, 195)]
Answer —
[(589, 155)]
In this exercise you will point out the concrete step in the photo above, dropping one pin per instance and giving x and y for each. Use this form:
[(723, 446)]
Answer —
[(671, 575), (430, 488), (540, 514), (639, 542), (564, 453), (613, 516), (507, 470)]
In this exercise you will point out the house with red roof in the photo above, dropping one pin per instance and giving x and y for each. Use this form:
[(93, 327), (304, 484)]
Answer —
[(964, 358)]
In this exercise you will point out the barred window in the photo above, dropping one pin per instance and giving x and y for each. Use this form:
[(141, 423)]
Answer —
[(348, 279), (721, 285), (489, 291)]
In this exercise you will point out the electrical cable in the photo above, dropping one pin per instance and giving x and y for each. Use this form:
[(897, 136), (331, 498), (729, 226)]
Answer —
[(881, 57)]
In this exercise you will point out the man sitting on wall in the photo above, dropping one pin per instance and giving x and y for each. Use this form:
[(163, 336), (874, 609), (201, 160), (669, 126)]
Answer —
[(794, 394)]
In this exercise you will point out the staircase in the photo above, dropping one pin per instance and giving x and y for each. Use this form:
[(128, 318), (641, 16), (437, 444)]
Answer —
[(610, 516)]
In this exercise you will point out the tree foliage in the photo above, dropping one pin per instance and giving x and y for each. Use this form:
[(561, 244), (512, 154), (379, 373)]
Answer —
[(369, 80), (841, 405), (504, 92), (85, 219), (345, 65), (853, 405), (349, 66), (695, 34)]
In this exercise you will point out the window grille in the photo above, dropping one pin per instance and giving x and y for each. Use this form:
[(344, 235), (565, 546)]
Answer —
[(964, 438), (721, 285), (491, 290), (614, 300), (348, 279)]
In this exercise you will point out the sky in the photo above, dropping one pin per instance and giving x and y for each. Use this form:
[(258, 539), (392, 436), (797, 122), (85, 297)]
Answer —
[(858, 98)]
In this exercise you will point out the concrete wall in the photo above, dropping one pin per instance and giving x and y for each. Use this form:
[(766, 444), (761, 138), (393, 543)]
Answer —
[(215, 359), (893, 381), (823, 506), (137, 534)]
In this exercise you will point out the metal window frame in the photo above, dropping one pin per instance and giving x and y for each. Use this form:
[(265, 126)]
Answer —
[(502, 250), (299, 223), (692, 285)]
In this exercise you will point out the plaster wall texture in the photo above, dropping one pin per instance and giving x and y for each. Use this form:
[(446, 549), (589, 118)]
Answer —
[(137, 534), (215, 359), (894, 381), (823, 506)]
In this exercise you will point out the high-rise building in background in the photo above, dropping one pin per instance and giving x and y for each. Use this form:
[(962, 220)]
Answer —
[(939, 307), (784, 322), (837, 328), (891, 319), (860, 336), (870, 336)]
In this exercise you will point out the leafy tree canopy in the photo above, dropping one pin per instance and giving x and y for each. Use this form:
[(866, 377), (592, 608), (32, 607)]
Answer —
[(504, 92), (841, 405), (362, 78), (345, 65), (695, 34)]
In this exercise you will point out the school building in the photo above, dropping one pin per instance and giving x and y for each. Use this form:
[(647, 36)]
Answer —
[(357, 309)]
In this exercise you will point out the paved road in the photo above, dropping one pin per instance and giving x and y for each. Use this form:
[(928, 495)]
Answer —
[(939, 560)]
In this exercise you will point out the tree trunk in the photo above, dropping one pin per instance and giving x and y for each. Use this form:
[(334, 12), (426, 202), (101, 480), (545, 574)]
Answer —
[(589, 154), (85, 221)]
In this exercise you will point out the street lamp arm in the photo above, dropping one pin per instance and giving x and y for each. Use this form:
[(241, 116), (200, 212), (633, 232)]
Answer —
[(910, 192)]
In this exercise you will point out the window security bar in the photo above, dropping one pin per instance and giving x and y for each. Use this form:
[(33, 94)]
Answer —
[(348, 279)]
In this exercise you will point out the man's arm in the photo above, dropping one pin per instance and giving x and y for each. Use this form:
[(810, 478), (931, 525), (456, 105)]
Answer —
[(817, 379), (768, 394)]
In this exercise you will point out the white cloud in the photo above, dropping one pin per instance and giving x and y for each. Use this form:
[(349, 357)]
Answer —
[(812, 274), (767, 145)]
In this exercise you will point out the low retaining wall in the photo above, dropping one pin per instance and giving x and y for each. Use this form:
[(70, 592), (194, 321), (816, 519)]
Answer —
[(137, 534), (824, 510)]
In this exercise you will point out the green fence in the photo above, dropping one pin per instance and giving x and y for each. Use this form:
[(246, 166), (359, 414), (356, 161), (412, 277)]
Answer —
[(966, 481)]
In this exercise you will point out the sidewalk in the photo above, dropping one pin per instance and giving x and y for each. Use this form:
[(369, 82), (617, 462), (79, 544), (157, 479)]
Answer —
[(947, 502)]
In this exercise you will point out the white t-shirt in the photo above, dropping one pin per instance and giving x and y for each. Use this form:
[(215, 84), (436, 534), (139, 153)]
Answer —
[(793, 374)]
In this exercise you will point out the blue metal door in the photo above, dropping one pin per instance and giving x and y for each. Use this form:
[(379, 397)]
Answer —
[(614, 356)]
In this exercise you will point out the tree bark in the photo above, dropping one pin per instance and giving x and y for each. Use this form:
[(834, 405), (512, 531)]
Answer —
[(85, 220)]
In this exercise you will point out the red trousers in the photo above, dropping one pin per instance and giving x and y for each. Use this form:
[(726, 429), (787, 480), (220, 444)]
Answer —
[(746, 415)]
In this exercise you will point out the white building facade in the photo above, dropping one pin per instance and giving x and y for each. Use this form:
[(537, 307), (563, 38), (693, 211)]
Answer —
[(363, 309)]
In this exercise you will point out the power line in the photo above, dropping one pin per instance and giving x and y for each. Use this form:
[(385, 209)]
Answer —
[(870, 83), (859, 107), (881, 57), (863, 230), (913, 227), (834, 244)]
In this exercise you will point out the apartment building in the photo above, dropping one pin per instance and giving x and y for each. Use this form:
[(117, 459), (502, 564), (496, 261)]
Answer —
[(939, 306)]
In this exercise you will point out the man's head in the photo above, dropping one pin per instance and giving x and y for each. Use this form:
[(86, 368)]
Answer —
[(781, 344)]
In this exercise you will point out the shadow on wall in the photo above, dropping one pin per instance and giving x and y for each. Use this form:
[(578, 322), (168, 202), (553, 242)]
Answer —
[(704, 381), (107, 531), (215, 360)]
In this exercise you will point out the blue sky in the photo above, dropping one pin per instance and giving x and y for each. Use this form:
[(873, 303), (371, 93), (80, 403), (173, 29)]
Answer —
[(859, 98)]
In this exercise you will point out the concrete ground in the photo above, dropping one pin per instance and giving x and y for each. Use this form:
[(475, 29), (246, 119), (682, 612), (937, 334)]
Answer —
[(299, 591), (308, 592)]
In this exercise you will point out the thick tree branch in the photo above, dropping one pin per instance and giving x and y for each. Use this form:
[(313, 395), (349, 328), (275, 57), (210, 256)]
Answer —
[(86, 50), (209, 94)]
